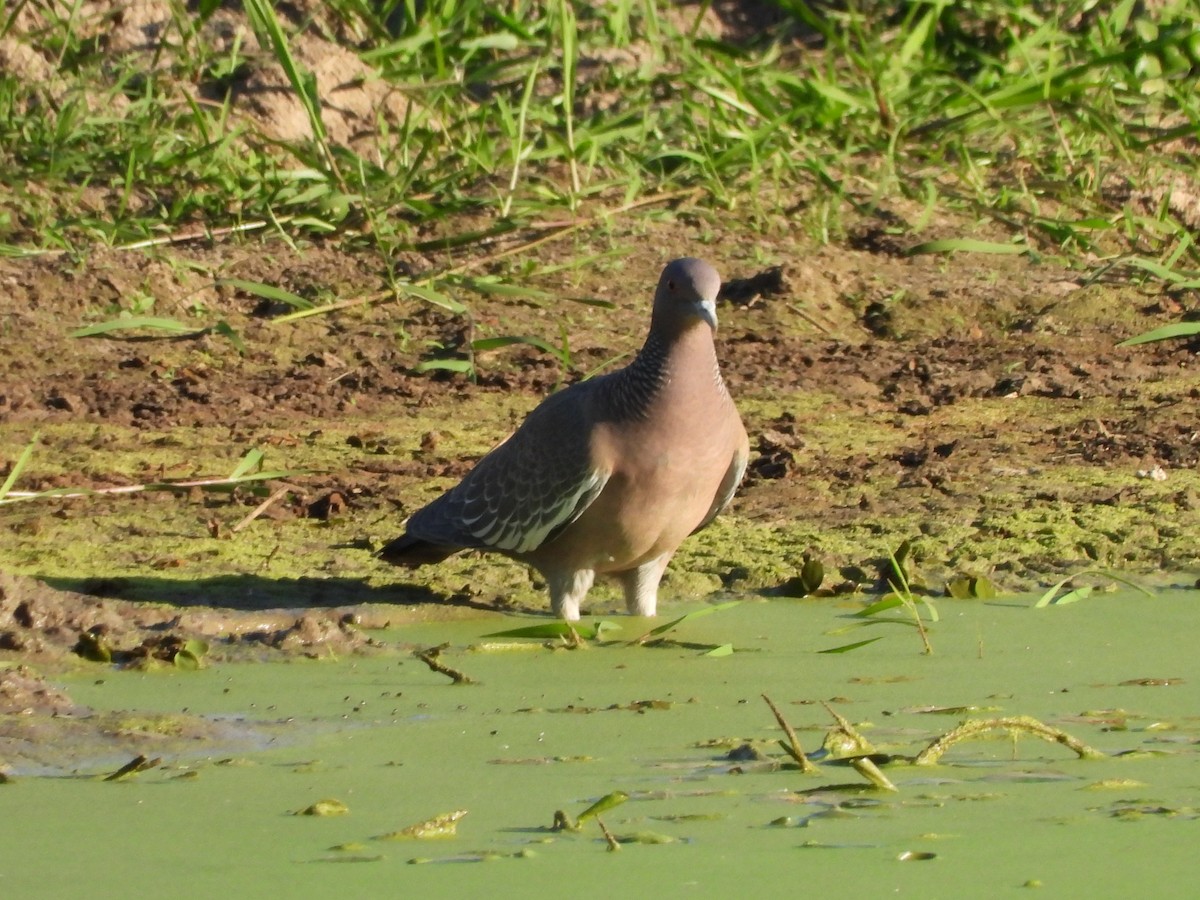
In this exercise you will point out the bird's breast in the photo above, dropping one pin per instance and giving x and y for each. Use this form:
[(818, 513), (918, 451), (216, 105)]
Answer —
[(661, 487)]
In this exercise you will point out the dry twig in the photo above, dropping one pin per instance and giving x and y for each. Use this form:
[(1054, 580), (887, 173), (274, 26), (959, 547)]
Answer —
[(430, 656), (260, 509), (613, 844), (793, 748)]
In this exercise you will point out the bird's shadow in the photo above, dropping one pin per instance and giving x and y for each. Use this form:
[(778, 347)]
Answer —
[(249, 593)]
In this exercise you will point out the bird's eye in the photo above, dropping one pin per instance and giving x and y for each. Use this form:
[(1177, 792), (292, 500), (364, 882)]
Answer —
[(671, 285)]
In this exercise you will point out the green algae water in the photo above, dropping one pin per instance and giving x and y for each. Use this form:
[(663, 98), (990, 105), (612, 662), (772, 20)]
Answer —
[(710, 801)]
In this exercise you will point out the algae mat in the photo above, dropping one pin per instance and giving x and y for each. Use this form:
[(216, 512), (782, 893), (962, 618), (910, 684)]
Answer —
[(711, 802)]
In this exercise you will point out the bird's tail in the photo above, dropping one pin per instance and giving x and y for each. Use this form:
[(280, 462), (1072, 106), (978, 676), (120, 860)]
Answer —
[(410, 551)]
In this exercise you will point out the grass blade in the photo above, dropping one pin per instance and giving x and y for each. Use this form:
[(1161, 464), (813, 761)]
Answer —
[(1166, 273), (270, 33), (461, 366), (174, 326), (19, 466), (1165, 333), (268, 292), (253, 459), (968, 245), (500, 289), (206, 484), (495, 343), (228, 332), (437, 298)]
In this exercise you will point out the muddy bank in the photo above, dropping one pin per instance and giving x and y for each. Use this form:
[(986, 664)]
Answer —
[(977, 407)]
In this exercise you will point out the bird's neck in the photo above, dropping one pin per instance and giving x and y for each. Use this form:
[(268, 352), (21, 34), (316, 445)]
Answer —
[(663, 363)]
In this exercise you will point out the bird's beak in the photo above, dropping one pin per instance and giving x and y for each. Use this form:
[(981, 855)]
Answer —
[(707, 310)]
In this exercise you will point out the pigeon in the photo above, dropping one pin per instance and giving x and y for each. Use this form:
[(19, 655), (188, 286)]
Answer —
[(610, 475)]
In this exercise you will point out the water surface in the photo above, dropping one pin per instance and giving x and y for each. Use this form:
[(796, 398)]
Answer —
[(555, 730)]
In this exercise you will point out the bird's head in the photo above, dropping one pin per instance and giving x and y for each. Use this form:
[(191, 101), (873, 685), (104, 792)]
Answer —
[(687, 292)]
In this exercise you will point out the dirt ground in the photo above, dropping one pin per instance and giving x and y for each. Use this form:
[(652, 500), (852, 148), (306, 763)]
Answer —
[(978, 406)]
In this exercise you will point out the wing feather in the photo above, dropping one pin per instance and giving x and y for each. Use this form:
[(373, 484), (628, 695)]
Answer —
[(527, 489)]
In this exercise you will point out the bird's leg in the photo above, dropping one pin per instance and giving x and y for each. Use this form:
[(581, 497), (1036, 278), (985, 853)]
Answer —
[(641, 586), (568, 590)]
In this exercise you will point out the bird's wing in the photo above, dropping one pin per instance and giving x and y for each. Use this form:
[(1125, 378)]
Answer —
[(729, 484), (527, 489)]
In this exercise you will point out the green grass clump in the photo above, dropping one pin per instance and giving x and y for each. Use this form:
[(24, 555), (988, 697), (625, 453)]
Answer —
[(1071, 126)]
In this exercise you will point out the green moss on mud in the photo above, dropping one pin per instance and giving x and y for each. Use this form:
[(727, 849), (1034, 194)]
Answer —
[(999, 503)]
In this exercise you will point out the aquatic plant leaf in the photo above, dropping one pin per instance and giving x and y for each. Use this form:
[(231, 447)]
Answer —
[(548, 630), (812, 573), (663, 629), (604, 804), (440, 826), (1115, 784), (93, 648), (890, 601), (539, 632), (867, 623), (866, 767), (196, 647), (1081, 593), (959, 588), (139, 763), (722, 650), (357, 858), (1047, 599), (646, 837), (846, 648), (983, 589), (326, 807)]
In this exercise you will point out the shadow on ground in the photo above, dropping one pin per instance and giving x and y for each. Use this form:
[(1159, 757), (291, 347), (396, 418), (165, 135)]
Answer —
[(248, 593)]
